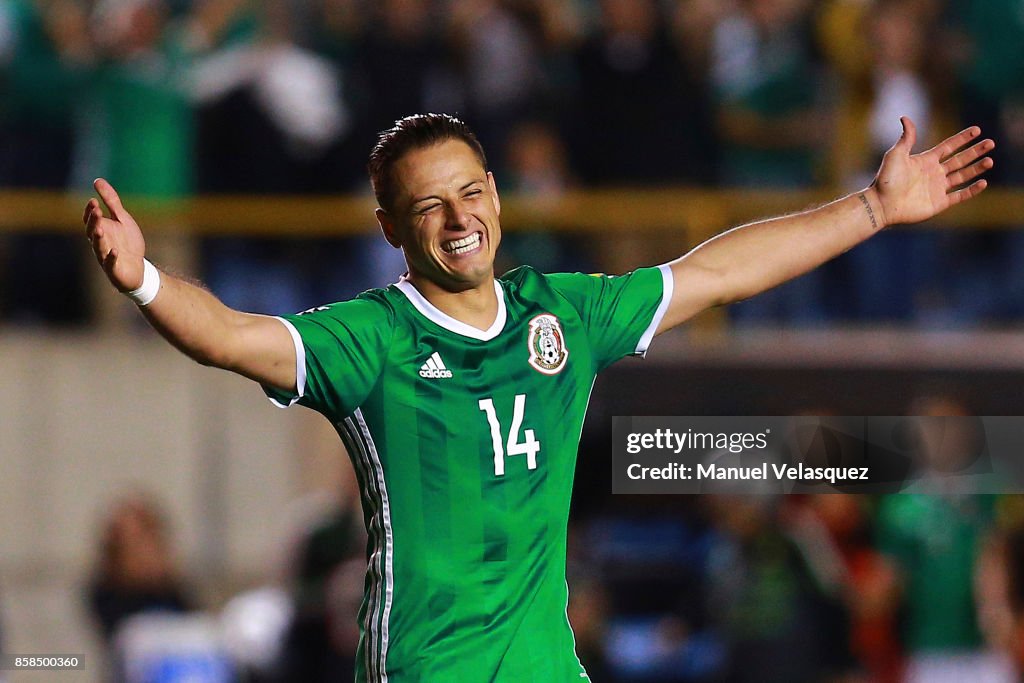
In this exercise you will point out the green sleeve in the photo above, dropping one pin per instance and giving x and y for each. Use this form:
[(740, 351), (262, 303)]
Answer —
[(339, 355), (619, 312)]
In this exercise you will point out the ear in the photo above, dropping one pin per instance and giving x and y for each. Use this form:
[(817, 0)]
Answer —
[(387, 226), (494, 193)]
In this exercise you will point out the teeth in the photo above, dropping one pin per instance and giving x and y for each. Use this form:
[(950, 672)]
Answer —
[(464, 245)]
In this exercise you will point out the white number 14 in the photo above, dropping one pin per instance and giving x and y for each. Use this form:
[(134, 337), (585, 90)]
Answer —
[(529, 447)]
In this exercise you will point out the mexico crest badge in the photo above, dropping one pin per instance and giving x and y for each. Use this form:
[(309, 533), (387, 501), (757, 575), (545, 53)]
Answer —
[(548, 351)]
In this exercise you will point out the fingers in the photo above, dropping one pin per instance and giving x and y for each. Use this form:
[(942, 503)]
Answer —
[(91, 217), (98, 231), (109, 197), (106, 255), (966, 175), (109, 262), (968, 156), (100, 246), (90, 207), (93, 220), (950, 145), (909, 137), (969, 192)]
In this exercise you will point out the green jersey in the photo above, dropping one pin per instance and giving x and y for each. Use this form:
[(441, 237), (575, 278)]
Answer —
[(464, 442)]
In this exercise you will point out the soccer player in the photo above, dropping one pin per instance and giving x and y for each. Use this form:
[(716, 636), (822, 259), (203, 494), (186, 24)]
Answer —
[(460, 397)]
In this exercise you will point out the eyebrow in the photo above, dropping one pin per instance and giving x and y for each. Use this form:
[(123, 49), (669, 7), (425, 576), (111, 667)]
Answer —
[(420, 200)]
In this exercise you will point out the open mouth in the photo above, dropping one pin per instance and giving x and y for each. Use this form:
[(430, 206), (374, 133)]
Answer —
[(463, 245)]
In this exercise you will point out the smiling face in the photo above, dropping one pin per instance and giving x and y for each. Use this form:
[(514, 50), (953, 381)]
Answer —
[(444, 216)]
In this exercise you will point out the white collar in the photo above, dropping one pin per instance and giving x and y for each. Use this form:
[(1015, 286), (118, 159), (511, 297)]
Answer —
[(449, 323)]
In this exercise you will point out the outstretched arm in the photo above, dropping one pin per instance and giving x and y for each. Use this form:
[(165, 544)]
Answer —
[(188, 316), (753, 258)]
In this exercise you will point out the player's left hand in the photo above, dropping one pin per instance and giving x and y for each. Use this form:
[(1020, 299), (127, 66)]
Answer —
[(915, 187)]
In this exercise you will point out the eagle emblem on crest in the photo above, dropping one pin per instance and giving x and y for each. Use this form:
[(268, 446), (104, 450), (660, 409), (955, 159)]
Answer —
[(546, 342)]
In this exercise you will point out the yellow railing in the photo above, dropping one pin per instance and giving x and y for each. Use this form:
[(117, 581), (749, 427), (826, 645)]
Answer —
[(627, 227), (677, 212)]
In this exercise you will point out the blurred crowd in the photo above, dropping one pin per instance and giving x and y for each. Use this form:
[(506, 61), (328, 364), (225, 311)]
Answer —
[(798, 589), (300, 626), (715, 588), (171, 97)]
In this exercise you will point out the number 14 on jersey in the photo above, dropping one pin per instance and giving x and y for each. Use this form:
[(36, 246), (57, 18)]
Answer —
[(528, 447)]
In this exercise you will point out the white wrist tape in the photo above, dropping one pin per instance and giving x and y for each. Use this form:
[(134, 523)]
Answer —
[(150, 287)]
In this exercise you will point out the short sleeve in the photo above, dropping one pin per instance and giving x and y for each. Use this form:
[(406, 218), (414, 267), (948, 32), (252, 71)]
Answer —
[(339, 354), (620, 313)]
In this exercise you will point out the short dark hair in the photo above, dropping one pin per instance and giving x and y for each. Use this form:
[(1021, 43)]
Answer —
[(410, 133)]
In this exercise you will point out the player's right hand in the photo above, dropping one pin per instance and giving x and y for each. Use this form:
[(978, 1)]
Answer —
[(116, 238)]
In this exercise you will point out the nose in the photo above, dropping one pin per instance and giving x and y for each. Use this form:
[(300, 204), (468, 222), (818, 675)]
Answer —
[(458, 217)]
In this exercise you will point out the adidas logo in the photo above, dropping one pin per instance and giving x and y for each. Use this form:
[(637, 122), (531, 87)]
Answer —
[(434, 368)]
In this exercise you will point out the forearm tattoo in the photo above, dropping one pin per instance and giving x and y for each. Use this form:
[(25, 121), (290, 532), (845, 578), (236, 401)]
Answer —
[(871, 213)]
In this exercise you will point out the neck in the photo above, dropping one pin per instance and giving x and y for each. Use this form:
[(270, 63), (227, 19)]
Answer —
[(476, 306)]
